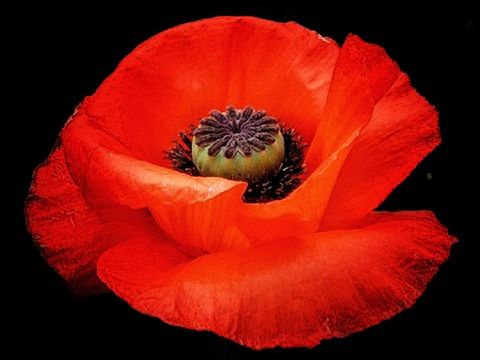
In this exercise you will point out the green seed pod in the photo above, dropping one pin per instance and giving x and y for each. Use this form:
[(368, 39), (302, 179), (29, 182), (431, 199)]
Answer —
[(253, 165)]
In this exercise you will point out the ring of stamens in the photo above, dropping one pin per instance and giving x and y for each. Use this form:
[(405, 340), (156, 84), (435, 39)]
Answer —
[(275, 185)]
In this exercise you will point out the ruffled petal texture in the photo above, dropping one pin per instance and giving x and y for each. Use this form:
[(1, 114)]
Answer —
[(107, 174), (174, 79), (362, 75), (402, 131), (289, 292), (70, 232)]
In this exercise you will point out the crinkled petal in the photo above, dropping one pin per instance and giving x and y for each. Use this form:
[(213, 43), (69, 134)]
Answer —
[(301, 211), (363, 73), (403, 130), (289, 292), (71, 233), (198, 212), (177, 77)]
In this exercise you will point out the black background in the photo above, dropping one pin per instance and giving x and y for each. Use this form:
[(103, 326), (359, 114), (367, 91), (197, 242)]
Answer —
[(59, 54)]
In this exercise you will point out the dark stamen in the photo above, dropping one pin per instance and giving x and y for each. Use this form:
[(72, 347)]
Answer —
[(180, 154)]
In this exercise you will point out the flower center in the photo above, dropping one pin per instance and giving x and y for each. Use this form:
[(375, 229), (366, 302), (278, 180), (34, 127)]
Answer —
[(238, 144), (246, 145)]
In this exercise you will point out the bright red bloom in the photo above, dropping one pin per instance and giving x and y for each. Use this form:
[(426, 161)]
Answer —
[(106, 208)]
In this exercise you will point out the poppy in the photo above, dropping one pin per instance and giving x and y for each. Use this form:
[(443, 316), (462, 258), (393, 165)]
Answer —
[(225, 178)]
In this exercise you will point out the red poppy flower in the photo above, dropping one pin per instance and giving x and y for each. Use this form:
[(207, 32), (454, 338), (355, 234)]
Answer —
[(316, 262)]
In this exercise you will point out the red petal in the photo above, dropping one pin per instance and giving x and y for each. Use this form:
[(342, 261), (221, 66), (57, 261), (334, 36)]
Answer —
[(301, 211), (159, 90), (147, 257), (72, 234), (198, 212), (403, 130), (178, 76), (362, 75), (290, 292)]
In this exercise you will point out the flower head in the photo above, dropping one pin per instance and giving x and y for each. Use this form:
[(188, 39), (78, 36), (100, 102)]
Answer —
[(259, 224)]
